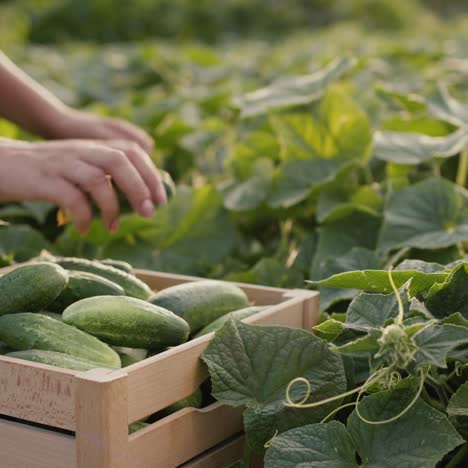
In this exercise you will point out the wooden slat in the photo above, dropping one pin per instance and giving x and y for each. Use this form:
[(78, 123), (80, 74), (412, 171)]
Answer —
[(102, 424), (222, 455), (182, 436), (148, 388), (38, 393), (23, 446)]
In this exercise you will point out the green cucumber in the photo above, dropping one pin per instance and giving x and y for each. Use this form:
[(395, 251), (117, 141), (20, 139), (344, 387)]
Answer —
[(137, 426), (27, 330), (236, 314), (131, 284), (4, 349), (129, 356), (30, 288), (119, 264), (192, 401), (82, 285), (53, 315), (126, 321), (52, 358), (201, 302)]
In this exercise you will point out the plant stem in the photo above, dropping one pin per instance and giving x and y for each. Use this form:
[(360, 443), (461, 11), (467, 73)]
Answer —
[(462, 168)]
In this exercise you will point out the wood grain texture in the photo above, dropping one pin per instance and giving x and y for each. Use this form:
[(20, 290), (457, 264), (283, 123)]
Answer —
[(183, 435), (23, 446), (37, 392), (102, 423), (225, 454)]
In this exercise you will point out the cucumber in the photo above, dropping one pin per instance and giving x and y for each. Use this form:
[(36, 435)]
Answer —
[(201, 302), (81, 285), (168, 183), (236, 314), (129, 356), (126, 321), (4, 349), (136, 426), (53, 315), (131, 284), (30, 288), (119, 264), (192, 401), (27, 330), (52, 358)]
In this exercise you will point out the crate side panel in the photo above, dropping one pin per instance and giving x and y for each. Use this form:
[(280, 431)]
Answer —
[(23, 446), (182, 436), (37, 393)]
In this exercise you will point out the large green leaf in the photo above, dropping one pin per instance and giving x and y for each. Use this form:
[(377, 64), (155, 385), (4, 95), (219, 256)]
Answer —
[(252, 365), (368, 311), (315, 445), (419, 438), (422, 275), (458, 404), (295, 180), (358, 258), (292, 91), (436, 341), (338, 238), (414, 148), (451, 295), (336, 128), (428, 215), (445, 107)]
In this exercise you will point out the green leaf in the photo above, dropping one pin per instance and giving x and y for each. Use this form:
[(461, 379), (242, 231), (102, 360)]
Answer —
[(333, 204), (458, 404), (456, 319), (338, 238), (368, 311), (451, 295), (247, 195), (414, 148), (296, 180), (428, 215), (315, 445), (356, 259), (422, 275), (329, 330), (337, 128), (252, 365), (269, 272), (445, 107), (363, 347), (292, 91), (39, 209), (419, 438), (436, 341)]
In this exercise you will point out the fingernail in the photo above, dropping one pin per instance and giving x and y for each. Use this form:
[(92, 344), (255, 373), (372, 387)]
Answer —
[(147, 208), (114, 227)]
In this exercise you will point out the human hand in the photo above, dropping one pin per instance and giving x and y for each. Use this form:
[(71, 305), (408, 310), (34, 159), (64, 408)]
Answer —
[(66, 172), (73, 124)]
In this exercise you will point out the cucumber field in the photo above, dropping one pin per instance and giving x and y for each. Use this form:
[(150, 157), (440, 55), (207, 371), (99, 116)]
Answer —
[(317, 145)]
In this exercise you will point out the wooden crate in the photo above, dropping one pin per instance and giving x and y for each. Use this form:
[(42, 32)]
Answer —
[(97, 406)]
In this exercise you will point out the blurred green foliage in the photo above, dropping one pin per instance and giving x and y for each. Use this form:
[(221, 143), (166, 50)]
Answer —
[(47, 21)]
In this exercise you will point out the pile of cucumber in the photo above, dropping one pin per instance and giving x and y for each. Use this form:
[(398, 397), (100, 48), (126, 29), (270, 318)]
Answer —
[(81, 314)]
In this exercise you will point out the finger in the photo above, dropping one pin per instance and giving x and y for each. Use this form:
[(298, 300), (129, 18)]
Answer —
[(115, 163), (94, 181), (128, 131), (144, 165), (71, 199)]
